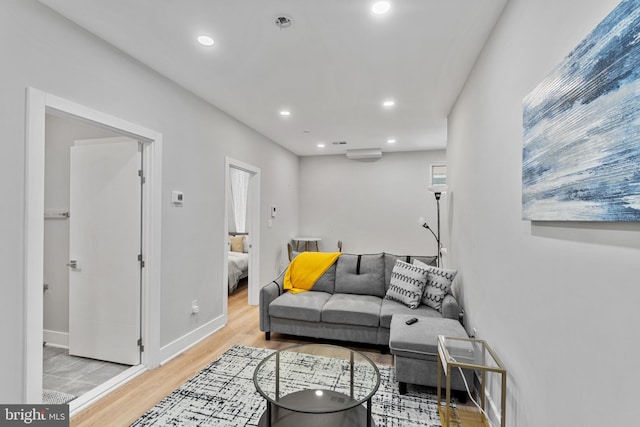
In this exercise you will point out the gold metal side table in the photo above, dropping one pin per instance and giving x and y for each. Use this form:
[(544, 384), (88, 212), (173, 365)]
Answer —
[(468, 353)]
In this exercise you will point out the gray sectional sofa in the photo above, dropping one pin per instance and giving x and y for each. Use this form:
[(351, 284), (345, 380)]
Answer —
[(347, 303)]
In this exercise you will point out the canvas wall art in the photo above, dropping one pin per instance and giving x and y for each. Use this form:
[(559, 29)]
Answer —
[(581, 129)]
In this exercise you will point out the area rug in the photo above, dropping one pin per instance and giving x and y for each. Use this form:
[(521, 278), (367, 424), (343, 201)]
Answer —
[(223, 394), (53, 397)]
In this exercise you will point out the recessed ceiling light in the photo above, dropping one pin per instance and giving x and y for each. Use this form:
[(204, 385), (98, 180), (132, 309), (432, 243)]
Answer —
[(389, 103), (285, 113), (205, 40), (391, 141), (321, 145), (381, 7)]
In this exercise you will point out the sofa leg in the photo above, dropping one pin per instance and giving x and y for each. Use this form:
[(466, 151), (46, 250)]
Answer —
[(402, 388), (267, 336)]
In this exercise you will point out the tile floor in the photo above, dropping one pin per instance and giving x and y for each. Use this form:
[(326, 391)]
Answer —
[(75, 375)]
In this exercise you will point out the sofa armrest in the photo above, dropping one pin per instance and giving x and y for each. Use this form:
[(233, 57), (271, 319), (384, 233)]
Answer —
[(268, 293), (450, 307)]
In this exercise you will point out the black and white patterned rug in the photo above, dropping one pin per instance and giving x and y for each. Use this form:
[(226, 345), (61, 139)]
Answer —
[(223, 394)]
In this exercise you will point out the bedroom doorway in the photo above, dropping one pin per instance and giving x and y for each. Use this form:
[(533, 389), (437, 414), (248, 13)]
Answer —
[(242, 219)]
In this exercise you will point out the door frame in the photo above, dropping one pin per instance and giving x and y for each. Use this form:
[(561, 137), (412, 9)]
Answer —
[(38, 105), (253, 228)]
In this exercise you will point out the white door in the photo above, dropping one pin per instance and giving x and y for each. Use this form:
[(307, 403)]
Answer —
[(104, 244)]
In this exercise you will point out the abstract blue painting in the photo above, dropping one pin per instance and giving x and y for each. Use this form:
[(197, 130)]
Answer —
[(581, 129)]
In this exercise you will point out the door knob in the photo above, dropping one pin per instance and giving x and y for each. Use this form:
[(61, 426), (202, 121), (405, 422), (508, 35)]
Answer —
[(73, 263)]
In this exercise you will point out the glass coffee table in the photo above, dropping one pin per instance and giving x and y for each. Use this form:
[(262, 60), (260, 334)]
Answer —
[(317, 385)]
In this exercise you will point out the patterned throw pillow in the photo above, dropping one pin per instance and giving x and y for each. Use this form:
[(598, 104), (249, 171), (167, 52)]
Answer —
[(439, 282), (407, 284)]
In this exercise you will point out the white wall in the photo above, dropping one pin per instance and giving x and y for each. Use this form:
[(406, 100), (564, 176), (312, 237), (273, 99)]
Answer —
[(557, 301), (42, 50), (371, 206)]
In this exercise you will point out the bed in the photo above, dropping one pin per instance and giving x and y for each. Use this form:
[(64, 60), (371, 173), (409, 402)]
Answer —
[(238, 268), (238, 261)]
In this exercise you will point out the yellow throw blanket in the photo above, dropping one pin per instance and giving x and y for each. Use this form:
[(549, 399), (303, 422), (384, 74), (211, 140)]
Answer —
[(305, 270)]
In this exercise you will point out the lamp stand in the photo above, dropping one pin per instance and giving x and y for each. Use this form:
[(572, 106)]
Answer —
[(439, 258), (437, 192)]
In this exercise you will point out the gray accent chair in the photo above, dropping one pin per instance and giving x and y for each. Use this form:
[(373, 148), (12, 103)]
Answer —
[(346, 304)]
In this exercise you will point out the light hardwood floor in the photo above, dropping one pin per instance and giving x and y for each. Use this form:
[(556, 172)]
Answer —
[(128, 403)]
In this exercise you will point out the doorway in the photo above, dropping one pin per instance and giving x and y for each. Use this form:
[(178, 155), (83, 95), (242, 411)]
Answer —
[(39, 104), (92, 210), (252, 229)]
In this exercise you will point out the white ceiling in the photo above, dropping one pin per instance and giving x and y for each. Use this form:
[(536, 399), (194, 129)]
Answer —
[(332, 68)]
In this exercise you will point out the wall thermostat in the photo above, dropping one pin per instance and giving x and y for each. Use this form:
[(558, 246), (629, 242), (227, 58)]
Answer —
[(177, 197)]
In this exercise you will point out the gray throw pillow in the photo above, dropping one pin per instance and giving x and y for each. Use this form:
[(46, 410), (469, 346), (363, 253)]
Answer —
[(407, 284), (439, 281)]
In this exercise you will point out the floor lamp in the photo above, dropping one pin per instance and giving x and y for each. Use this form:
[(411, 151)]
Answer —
[(437, 191)]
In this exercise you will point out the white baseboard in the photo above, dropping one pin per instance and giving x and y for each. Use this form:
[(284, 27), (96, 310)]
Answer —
[(187, 341), (56, 339)]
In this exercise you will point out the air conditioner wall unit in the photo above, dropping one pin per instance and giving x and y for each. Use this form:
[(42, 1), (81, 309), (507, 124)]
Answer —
[(365, 154)]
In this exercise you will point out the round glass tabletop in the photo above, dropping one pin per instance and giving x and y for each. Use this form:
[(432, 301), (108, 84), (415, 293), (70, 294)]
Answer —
[(316, 378)]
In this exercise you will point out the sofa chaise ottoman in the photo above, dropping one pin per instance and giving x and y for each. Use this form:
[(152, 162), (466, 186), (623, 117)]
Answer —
[(415, 351)]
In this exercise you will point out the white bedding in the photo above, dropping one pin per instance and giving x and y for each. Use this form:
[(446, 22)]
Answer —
[(238, 268)]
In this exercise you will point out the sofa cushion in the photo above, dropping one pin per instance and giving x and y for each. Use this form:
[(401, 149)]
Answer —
[(439, 281), (420, 340), (407, 284), (360, 275), (349, 309), (390, 262), (389, 308), (326, 282), (301, 306)]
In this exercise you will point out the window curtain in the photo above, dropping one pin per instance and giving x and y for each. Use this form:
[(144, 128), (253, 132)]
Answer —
[(239, 191)]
